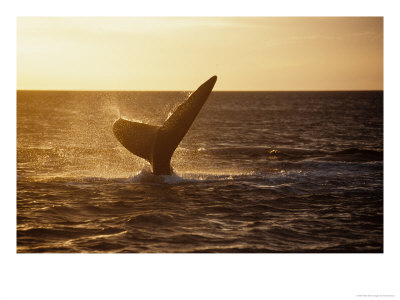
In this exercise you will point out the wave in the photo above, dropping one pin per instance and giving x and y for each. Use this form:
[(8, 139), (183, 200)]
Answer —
[(146, 176), (187, 176), (355, 154), (65, 232), (152, 219), (287, 154)]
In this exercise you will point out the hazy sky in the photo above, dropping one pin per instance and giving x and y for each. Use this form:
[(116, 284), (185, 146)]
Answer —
[(87, 53)]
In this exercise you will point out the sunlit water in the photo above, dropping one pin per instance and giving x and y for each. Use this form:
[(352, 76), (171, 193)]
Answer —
[(257, 172)]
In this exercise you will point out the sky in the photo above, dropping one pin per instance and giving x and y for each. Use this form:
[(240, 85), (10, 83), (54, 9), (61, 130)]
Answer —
[(179, 53)]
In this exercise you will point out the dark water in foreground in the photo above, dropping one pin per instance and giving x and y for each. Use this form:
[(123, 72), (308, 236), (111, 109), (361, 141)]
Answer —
[(257, 172)]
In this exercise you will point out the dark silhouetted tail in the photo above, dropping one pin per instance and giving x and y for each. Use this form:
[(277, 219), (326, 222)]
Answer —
[(156, 144)]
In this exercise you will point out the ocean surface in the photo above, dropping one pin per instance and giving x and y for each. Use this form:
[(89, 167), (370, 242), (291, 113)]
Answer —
[(289, 172)]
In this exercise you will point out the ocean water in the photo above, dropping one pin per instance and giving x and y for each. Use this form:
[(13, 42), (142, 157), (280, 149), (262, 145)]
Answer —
[(263, 172)]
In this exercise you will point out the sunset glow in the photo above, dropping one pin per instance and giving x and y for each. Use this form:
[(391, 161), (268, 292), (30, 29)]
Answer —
[(88, 53)]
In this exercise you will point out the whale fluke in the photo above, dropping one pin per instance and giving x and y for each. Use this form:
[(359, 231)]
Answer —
[(156, 144)]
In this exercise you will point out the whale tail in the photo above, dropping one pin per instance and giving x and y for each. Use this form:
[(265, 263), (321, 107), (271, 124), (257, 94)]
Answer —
[(156, 144)]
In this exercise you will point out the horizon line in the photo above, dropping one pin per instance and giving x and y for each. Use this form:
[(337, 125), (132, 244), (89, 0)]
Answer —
[(174, 91)]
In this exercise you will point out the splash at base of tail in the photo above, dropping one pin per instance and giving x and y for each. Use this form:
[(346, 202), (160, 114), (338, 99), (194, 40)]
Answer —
[(157, 144)]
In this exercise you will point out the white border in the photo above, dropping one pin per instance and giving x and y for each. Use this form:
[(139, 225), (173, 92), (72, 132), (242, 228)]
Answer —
[(262, 276)]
